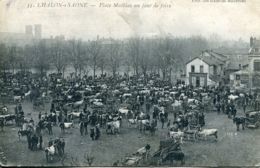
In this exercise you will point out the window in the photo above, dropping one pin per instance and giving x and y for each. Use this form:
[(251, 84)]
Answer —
[(215, 70), (257, 65), (201, 69), (192, 68)]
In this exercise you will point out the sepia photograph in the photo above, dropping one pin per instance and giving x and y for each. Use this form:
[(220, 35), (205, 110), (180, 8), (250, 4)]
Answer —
[(129, 83)]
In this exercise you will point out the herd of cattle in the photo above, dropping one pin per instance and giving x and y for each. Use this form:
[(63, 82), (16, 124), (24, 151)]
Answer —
[(92, 104)]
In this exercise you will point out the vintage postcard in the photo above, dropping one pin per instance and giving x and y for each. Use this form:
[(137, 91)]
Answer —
[(129, 83)]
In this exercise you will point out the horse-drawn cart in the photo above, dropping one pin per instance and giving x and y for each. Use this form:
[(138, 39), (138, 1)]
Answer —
[(169, 150), (136, 158), (252, 119)]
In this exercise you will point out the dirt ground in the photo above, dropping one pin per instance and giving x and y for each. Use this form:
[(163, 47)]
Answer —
[(231, 149)]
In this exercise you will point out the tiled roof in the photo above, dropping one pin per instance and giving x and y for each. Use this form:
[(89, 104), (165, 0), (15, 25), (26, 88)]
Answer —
[(208, 60), (212, 60), (235, 60)]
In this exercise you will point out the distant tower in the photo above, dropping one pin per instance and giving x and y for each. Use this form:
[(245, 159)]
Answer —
[(29, 30), (38, 31), (251, 41)]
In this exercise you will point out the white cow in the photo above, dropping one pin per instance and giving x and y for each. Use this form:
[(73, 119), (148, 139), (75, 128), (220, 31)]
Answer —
[(68, 125), (233, 97), (208, 132)]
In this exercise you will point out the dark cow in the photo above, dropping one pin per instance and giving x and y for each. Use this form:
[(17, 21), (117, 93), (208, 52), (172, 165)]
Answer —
[(239, 121)]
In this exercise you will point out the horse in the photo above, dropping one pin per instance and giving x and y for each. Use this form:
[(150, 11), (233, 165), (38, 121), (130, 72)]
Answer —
[(239, 121)]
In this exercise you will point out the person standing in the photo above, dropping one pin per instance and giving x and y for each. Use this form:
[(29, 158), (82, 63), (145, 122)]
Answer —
[(63, 146), (40, 115), (162, 120), (81, 128), (92, 133), (97, 132), (2, 124), (29, 140), (40, 141), (169, 124), (86, 127), (218, 107)]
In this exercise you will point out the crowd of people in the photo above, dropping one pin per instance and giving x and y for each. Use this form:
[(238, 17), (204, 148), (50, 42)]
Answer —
[(96, 103)]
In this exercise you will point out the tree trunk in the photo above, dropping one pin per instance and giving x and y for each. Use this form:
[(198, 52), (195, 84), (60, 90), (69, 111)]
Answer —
[(63, 72), (102, 70), (94, 71)]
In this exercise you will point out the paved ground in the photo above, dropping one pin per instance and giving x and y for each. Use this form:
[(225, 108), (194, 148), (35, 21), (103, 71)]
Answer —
[(232, 148)]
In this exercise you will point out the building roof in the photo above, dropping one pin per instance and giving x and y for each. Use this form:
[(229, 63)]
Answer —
[(214, 55), (236, 62), (212, 61), (207, 60), (241, 72)]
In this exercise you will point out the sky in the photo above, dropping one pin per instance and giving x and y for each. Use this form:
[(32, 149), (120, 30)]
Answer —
[(230, 20)]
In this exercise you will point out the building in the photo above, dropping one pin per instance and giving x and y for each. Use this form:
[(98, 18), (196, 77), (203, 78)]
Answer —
[(254, 63), (205, 70), (248, 75), (38, 31), (29, 30), (240, 79), (235, 62), (22, 39)]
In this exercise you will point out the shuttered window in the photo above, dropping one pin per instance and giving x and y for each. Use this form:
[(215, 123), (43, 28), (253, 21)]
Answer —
[(192, 68), (201, 69)]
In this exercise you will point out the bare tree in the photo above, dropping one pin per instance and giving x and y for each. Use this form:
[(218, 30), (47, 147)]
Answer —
[(3, 57), (103, 59), (78, 55), (146, 56), (94, 49), (134, 53), (165, 55), (24, 58), (59, 54), (41, 57), (114, 50), (12, 57)]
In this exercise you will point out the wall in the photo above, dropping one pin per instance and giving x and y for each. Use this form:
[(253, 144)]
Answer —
[(197, 63)]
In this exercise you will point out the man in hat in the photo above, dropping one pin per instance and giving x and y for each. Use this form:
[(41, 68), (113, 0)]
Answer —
[(97, 132)]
